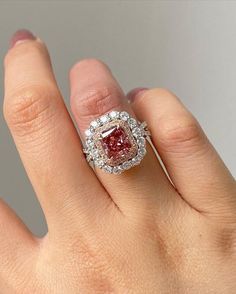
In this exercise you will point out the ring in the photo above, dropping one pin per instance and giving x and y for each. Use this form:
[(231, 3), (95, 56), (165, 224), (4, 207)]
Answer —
[(115, 142)]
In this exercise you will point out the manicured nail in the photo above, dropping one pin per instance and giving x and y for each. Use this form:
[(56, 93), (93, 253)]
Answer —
[(21, 36), (133, 94)]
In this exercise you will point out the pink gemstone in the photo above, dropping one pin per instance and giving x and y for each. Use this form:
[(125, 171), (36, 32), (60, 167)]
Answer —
[(115, 142)]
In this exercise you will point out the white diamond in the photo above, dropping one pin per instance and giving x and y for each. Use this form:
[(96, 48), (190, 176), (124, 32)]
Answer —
[(124, 115), (142, 151), (136, 160), (136, 132), (127, 165), (88, 133), (94, 124), (132, 122), (114, 114), (90, 143), (104, 119), (141, 142), (99, 162), (117, 169), (92, 129), (95, 153), (108, 169)]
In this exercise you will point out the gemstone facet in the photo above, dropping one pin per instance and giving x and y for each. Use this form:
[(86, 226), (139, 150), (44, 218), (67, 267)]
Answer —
[(115, 142)]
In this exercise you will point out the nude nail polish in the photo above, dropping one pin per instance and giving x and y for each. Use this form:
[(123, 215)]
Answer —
[(21, 36), (133, 94)]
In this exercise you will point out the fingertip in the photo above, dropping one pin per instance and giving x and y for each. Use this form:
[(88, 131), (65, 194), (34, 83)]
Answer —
[(134, 93), (21, 36)]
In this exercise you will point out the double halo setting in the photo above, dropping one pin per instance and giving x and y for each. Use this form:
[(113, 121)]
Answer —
[(115, 142)]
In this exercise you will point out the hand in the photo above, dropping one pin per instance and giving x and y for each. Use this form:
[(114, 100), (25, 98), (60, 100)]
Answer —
[(130, 233)]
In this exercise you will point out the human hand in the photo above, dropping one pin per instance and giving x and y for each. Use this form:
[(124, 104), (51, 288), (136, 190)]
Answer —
[(128, 233)]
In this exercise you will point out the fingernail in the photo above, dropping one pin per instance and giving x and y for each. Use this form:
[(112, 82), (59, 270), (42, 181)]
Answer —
[(21, 36), (133, 94)]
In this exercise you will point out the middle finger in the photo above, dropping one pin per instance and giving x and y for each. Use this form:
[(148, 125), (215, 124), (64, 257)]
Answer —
[(47, 140)]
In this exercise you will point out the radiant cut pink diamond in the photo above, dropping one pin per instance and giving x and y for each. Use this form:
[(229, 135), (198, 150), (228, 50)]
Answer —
[(116, 143)]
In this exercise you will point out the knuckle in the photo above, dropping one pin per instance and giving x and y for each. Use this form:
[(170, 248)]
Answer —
[(154, 95), (28, 109), (93, 267), (226, 240), (167, 242), (184, 131), (156, 92), (87, 62), (96, 101)]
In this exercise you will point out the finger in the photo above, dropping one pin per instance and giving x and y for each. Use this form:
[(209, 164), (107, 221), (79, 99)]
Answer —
[(17, 245), (46, 138), (94, 92), (193, 164)]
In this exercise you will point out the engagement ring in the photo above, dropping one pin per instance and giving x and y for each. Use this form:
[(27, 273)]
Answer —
[(116, 142)]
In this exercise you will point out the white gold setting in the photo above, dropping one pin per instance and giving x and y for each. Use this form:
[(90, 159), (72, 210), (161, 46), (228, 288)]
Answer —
[(115, 142)]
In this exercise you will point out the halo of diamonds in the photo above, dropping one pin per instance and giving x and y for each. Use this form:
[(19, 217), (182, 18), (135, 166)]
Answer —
[(139, 134)]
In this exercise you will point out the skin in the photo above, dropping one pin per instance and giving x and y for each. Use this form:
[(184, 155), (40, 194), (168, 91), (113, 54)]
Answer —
[(138, 232)]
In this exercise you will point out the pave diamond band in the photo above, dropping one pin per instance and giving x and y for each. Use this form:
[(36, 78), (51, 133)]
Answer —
[(115, 142)]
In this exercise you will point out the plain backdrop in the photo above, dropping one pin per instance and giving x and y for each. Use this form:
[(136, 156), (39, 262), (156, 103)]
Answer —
[(186, 46)]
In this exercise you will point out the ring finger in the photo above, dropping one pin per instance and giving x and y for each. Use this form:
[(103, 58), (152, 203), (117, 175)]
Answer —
[(94, 92)]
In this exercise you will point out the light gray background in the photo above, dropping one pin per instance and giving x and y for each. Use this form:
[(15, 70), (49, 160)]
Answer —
[(186, 46)]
